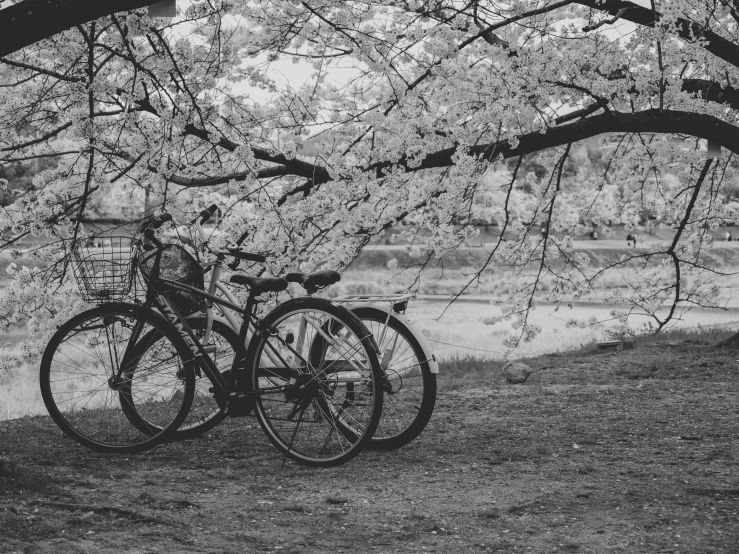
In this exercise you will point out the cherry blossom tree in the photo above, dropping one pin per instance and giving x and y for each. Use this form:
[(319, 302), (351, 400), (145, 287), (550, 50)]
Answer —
[(408, 105)]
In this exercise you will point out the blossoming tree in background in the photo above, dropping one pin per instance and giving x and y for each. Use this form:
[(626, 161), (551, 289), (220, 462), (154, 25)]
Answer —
[(409, 104)]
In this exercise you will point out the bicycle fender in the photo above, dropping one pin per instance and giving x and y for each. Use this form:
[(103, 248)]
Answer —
[(407, 322)]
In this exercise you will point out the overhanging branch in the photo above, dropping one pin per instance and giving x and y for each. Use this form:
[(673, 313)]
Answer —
[(650, 121), (31, 21)]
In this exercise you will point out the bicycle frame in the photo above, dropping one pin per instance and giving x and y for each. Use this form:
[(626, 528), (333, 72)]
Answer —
[(279, 367), (246, 330), (157, 296), (384, 302)]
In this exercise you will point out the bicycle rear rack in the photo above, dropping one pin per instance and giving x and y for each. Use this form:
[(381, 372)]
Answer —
[(398, 301)]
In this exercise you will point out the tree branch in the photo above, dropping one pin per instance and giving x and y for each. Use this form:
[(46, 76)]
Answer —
[(31, 21), (676, 239), (650, 121), (47, 136), (296, 166), (688, 30)]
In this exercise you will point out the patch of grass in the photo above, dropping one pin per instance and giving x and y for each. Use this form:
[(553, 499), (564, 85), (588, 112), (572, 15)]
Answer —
[(708, 335), (458, 366), (83, 519), (18, 478), (299, 508), (146, 498), (457, 372), (490, 513), (7, 468), (182, 504)]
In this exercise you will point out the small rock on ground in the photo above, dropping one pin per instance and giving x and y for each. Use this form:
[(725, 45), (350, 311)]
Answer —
[(516, 372)]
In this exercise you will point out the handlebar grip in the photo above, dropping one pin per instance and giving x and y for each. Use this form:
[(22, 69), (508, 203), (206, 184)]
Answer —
[(239, 255), (158, 221), (242, 238), (205, 214)]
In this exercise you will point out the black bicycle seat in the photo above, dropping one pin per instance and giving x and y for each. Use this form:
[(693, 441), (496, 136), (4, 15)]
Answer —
[(314, 280), (258, 285)]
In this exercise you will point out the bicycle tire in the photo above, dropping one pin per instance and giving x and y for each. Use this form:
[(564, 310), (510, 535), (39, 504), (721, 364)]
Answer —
[(205, 414), (409, 402), (319, 438), (100, 417)]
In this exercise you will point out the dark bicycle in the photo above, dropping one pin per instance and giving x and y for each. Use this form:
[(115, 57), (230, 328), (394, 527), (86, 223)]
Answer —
[(407, 362)]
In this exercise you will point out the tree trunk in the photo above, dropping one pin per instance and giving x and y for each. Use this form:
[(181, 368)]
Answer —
[(30, 21)]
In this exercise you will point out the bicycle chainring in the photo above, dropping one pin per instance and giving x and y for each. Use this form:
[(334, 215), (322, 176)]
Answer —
[(238, 403)]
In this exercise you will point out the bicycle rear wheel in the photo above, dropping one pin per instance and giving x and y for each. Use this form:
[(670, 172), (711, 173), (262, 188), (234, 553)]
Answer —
[(222, 346), (410, 387), (99, 390), (317, 393)]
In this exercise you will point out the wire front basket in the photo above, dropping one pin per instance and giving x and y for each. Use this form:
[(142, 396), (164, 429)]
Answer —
[(103, 268)]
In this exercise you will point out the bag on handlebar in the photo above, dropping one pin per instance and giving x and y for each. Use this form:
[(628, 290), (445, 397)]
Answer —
[(177, 264)]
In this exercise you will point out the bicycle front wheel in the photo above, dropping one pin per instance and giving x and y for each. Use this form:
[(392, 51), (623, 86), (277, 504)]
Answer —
[(102, 392), (316, 382), (410, 387)]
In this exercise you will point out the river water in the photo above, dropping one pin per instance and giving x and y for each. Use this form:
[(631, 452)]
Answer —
[(458, 329)]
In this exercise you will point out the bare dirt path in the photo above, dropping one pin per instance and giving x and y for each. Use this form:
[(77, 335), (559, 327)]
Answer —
[(633, 452)]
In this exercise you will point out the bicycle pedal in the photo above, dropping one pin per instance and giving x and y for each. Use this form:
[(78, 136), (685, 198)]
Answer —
[(239, 406)]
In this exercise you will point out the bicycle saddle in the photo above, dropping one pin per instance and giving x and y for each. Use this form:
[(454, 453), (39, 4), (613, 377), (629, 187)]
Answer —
[(258, 285), (315, 280)]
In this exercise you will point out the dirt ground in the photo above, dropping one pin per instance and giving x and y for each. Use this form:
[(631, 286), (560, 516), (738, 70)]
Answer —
[(634, 451)]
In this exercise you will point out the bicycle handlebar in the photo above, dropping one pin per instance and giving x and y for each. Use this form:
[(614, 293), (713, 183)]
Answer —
[(158, 221), (239, 254), (205, 215), (147, 228), (234, 250), (242, 238)]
